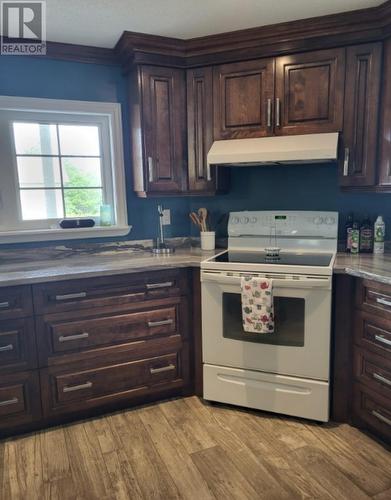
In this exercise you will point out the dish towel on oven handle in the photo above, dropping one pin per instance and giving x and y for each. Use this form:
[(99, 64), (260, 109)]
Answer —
[(257, 305)]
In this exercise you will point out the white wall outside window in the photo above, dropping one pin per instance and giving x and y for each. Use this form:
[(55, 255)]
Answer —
[(59, 159)]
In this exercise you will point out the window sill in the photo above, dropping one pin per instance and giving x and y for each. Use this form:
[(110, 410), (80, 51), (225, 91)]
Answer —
[(62, 234)]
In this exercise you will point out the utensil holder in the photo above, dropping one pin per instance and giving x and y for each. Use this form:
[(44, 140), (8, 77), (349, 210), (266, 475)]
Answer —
[(208, 240)]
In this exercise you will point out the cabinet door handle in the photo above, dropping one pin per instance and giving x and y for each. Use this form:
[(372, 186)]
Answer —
[(278, 112), (269, 113), (154, 286), (381, 417), (8, 347), (380, 378), (381, 339), (68, 296), (151, 324), (208, 173), (9, 402), (74, 388), (346, 162), (68, 338), (167, 368), (150, 168), (4, 305), (384, 302)]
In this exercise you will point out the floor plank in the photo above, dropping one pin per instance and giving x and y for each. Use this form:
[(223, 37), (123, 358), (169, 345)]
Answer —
[(223, 478), (190, 449), (184, 473), (137, 450)]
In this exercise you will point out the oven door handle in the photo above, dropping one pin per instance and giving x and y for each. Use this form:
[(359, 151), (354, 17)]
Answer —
[(223, 279)]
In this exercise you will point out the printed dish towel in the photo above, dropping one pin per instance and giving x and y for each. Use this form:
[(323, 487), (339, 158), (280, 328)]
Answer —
[(257, 305)]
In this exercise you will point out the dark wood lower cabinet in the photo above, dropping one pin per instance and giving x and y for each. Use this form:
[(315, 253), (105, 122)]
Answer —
[(98, 344), (362, 356)]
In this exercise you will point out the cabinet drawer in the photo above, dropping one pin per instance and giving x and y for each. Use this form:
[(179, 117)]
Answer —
[(374, 298), (15, 302), (19, 399), (17, 345), (108, 292), (59, 336), (78, 390), (373, 371), (373, 333), (372, 410)]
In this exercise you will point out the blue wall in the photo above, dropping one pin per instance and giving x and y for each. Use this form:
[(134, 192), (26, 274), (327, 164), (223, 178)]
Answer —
[(254, 188), (301, 187)]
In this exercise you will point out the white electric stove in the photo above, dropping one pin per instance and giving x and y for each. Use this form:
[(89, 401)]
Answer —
[(286, 371)]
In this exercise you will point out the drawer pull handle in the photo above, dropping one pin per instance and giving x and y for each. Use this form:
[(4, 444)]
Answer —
[(4, 305), (380, 378), (384, 302), (151, 324), (381, 339), (80, 387), (167, 368), (69, 338), (8, 347), (154, 286), (67, 296), (9, 402), (381, 417)]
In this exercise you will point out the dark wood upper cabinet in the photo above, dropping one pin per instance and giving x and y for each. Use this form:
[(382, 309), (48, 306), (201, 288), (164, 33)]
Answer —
[(158, 127), (164, 101), (310, 92), (361, 111), (243, 99), (200, 133)]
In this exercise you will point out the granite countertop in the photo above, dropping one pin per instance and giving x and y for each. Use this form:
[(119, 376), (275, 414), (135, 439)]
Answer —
[(64, 266), (367, 266), (88, 266)]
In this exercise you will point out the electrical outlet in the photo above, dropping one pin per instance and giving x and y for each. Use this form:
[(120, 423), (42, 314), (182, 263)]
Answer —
[(166, 217)]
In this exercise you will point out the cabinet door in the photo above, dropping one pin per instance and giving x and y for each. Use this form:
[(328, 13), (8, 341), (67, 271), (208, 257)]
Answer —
[(200, 133), (309, 92), (360, 130), (164, 126), (243, 96)]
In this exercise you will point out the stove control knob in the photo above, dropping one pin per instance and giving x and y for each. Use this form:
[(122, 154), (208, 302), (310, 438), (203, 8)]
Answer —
[(244, 220), (253, 220), (235, 220), (330, 221), (318, 220)]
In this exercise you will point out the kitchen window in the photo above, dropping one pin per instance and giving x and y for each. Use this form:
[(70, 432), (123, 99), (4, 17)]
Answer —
[(60, 160)]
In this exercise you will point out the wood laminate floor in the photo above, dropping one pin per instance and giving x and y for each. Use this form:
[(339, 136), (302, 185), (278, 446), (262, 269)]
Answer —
[(188, 449)]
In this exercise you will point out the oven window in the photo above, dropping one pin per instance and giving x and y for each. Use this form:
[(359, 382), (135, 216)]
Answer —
[(289, 321)]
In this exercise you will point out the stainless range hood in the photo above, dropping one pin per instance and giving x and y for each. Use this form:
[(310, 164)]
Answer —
[(311, 148)]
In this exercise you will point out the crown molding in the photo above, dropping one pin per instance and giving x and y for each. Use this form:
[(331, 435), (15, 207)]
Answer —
[(359, 26), (76, 53)]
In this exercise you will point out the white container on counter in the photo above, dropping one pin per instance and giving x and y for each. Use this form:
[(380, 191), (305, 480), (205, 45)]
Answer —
[(207, 240)]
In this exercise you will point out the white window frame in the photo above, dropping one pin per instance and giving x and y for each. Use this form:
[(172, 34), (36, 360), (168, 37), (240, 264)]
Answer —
[(51, 110)]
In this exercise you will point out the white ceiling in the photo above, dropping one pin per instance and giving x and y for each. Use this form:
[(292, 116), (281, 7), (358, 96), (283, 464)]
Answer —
[(101, 22)]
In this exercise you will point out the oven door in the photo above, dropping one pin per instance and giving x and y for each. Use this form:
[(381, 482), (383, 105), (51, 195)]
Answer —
[(300, 344)]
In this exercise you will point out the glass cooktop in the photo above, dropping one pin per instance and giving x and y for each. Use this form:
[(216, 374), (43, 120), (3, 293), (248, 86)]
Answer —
[(284, 258)]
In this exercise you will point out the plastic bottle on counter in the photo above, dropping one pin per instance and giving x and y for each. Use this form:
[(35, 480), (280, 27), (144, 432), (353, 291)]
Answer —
[(355, 238), (348, 232), (366, 235), (380, 231)]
